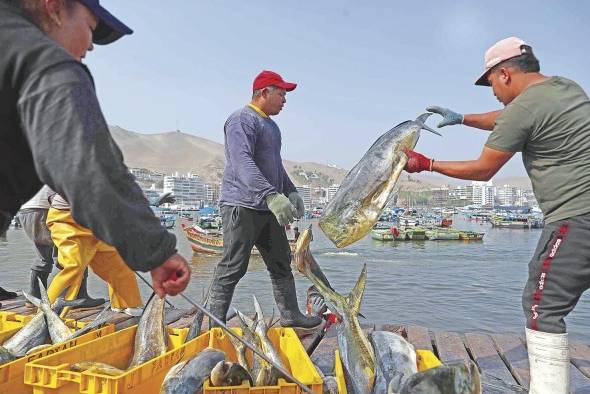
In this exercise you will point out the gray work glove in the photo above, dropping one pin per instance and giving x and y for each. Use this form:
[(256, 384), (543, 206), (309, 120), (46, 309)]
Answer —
[(281, 207), (449, 117), (297, 202), (318, 306)]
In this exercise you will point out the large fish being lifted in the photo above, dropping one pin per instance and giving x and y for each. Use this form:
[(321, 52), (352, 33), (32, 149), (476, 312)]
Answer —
[(367, 188), (356, 352)]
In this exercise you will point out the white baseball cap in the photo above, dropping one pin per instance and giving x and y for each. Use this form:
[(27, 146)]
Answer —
[(502, 50)]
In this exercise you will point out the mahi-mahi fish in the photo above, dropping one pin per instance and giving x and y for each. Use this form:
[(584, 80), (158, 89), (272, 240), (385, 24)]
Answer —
[(356, 352), (368, 187), (151, 341), (266, 375), (395, 358), (46, 323), (188, 377), (151, 338), (461, 378)]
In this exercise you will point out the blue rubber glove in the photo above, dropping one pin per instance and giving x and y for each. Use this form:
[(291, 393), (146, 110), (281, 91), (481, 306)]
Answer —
[(281, 207), (449, 117), (297, 202)]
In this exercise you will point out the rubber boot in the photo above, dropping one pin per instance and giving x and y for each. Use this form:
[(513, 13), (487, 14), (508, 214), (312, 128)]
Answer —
[(549, 362), (34, 285), (218, 305), (286, 299), (6, 295), (89, 302)]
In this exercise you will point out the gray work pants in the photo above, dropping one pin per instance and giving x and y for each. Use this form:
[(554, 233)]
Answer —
[(559, 273), (34, 224), (243, 229)]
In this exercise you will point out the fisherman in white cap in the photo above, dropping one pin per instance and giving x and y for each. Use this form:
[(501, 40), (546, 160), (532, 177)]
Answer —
[(548, 120)]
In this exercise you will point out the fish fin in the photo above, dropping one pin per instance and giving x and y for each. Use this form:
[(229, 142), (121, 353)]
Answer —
[(44, 296), (425, 127), (422, 118), (355, 297), (245, 320), (104, 316), (258, 308), (32, 299)]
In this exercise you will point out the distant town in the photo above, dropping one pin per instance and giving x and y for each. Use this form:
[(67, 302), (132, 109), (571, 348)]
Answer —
[(191, 192)]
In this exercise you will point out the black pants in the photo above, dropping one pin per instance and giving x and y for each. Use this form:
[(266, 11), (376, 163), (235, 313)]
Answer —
[(243, 229), (559, 273)]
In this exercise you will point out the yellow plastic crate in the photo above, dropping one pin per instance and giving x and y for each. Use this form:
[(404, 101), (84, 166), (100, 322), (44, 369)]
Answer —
[(425, 359), (10, 323), (12, 374), (292, 353), (52, 374)]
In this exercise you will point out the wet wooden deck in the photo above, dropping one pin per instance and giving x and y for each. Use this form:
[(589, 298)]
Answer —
[(502, 358)]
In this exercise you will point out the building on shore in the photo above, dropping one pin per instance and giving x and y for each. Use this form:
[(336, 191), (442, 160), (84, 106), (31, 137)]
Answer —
[(305, 193), (188, 190)]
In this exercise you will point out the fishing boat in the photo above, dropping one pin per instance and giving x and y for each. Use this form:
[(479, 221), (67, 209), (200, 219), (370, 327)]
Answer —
[(470, 236), (211, 241), (439, 233), (382, 234), (516, 221)]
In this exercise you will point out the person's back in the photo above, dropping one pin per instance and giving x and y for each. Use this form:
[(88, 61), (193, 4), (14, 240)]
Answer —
[(549, 123), (26, 53)]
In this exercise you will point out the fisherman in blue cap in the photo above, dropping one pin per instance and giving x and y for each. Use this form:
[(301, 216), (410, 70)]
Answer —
[(52, 132)]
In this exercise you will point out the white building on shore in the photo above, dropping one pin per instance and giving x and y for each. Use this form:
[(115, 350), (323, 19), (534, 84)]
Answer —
[(188, 190), (305, 193)]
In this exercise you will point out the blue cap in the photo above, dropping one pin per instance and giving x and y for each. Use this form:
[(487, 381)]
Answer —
[(109, 28)]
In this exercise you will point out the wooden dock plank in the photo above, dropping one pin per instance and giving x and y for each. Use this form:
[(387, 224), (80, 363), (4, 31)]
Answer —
[(485, 355), (419, 337), (450, 347), (580, 357), (512, 350)]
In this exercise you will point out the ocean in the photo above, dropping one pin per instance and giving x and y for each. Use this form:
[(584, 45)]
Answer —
[(444, 285)]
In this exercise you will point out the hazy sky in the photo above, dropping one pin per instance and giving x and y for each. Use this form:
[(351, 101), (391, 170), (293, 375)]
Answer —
[(362, 67)]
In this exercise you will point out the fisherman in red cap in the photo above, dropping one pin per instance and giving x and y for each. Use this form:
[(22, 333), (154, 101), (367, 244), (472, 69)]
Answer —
[(257, 200), (548, 120)]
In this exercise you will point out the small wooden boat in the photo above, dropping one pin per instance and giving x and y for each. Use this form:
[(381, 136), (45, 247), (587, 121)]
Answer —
[(211, 241), (436, 234), (382, 234)]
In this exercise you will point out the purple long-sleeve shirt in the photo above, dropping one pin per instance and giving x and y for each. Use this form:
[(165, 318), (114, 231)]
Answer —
[(253, 165)]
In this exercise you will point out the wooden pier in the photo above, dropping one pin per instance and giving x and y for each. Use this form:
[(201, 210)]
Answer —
[(501, 358)]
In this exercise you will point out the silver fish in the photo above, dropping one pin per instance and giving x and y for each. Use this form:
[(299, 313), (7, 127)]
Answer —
[(189, 376), (446, 379), (356, 352), (31, 335), (395, 358), (267, 376), (58, 330), (151, 338), (226, 373), (368, 187)]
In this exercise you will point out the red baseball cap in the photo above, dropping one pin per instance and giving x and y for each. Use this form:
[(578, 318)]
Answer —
[(270, 78)]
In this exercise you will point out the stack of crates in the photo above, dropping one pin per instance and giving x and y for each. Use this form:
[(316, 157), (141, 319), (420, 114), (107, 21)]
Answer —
[(52, 374)]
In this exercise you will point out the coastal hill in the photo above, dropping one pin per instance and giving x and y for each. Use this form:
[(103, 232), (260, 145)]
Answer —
[(180, 152)]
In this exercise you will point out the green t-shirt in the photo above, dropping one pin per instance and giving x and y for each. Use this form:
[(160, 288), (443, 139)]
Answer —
[(549, 123)]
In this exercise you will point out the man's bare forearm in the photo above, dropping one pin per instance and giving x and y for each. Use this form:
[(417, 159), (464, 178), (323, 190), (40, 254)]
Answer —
[(485, 121), (469, 170)]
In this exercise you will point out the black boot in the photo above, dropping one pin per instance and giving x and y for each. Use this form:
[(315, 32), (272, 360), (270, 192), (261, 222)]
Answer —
[(88, 302), (286, 299), (218, 305), (34, 285), (6, 295)]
